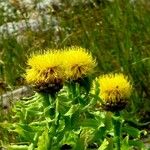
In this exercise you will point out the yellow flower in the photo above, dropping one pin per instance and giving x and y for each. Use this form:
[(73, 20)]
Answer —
[(45, 70), (47, 60), (78, 63), (115, 90)]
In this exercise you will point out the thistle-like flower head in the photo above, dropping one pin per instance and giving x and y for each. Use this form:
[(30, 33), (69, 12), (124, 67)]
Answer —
[(45, 70), (78, 63), (115, 90)]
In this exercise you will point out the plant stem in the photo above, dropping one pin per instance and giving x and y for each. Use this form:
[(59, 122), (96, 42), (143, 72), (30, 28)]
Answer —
[(117, 130), (52, 114), (53, 126)]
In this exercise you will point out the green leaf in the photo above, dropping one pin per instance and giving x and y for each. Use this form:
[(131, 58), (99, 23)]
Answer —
[(63, 104), (137, 143), (67, 123), (31, 147), (69, 138), (18, 147), (90, 123), (25, 132), (100, 133), (80, 145), (125, 144), (43, 142), (72, 110), (75, 119), (111, 144), (134, 132), (103, 145)]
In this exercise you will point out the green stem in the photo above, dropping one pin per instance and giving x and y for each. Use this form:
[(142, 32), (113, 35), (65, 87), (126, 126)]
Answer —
[(72, 88), (53, 125), (50, 100), (117, 130)]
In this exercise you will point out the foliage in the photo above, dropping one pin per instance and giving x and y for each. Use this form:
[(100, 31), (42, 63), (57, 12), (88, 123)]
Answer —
[(115, 32), (45, 122)]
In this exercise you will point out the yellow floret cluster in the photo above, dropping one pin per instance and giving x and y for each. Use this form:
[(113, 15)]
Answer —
[(56, 66), (114, 87), (78, 62), (45, 68), (114, 90)]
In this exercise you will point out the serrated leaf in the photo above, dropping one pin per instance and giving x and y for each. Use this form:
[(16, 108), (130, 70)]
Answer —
[(43, 142), (31, 147), (72, 110), (136, 143), (69, 138), (103, 145), (25, 132), (131, 131), (125, 144)]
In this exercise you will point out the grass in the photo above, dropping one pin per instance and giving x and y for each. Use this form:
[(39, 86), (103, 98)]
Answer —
[(117, 33)]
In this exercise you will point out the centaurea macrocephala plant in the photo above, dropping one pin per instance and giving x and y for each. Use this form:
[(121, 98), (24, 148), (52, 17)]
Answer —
[(64, 112), (48, 73), (115, 91)]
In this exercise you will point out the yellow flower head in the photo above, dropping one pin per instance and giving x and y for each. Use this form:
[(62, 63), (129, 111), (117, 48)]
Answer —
[(45, 69), (115, 90), (78, 62)]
